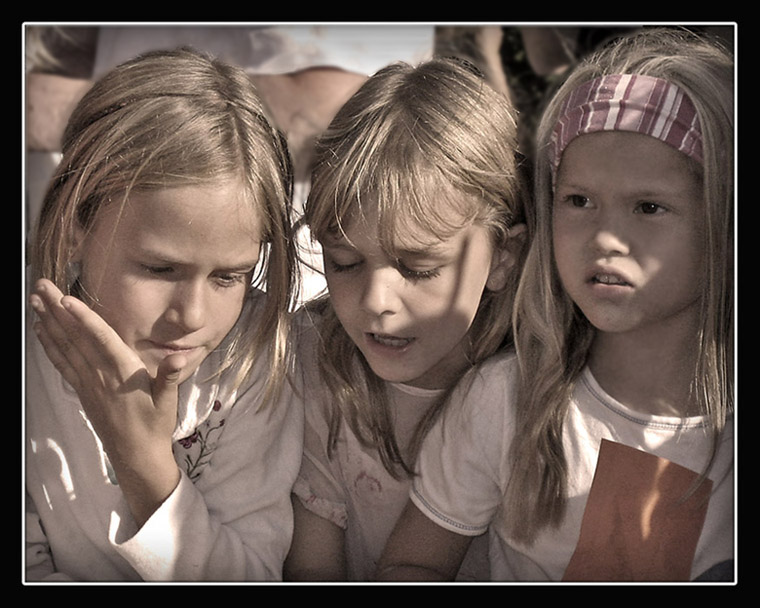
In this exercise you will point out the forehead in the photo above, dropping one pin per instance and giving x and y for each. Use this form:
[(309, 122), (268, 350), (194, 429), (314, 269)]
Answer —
[(620, 144), (413, 219), (208, 212), (615, 154), (397, 231)]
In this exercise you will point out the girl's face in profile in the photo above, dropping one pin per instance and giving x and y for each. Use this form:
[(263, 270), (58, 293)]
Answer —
[(409, 315), (170, 275), (628, 232)]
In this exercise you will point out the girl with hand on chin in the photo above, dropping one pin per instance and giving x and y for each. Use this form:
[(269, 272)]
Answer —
[(162, 437)]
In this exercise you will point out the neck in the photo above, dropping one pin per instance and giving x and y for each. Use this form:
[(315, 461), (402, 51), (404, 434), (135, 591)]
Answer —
[(445, 372), (650, 372)]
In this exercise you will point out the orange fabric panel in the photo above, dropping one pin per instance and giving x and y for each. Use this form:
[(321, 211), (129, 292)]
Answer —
[(637, 526)]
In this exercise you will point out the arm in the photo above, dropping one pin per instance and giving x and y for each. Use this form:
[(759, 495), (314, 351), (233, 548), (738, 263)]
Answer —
[(133, 414), (50, 100), (303, 103), (458, 488), (421, 550), (317, 552), (233, 521)]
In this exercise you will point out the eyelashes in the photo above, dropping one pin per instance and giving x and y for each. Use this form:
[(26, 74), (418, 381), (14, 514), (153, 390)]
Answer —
[(221, 279), (418, 275), (407, 273), (644, 207)]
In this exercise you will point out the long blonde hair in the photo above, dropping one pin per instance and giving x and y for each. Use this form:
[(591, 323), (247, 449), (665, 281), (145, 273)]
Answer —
[(551, 335), (176, 118), (413, 142)]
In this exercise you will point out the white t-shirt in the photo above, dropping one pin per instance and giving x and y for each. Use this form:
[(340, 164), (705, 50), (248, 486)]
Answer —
[(230, 517), (352, 489), (464, 470)]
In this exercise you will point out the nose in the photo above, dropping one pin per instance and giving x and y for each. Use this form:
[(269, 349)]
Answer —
[(188, 307), (379, 293), (608, 242), (609, 235)]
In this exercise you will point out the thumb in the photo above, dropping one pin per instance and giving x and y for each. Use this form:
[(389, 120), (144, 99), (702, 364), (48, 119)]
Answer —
[(166, 383)]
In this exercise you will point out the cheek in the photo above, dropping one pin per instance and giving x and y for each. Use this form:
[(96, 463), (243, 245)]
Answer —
[(229, 309), (676, 269), (343, 291), (468, 298), (452, 303), (564, 235), (129, 307), (564, 244)]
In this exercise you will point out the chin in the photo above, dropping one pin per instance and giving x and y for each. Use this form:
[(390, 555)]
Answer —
[(397, 376)]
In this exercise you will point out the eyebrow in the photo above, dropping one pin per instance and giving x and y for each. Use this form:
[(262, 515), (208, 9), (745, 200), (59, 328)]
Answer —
[(430, 252), (337, 242), (157, 258), (433, 250)]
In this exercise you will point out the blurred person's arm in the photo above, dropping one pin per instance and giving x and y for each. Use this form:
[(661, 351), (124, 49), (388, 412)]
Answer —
[(303, 104), (549, 50), (59, 63), (50, 99)]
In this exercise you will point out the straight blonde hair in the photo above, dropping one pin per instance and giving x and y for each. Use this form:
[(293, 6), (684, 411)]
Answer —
[(167, 119), (413, 143), (553, 338)]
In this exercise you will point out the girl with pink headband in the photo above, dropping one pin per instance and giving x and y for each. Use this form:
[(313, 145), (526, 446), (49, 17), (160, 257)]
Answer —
[(602, 449)]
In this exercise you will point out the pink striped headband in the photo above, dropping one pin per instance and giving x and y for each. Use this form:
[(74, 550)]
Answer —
[(628, 102)]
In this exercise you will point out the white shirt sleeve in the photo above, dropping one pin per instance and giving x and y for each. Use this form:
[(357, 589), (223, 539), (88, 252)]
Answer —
[(462, 465), (235, 522)]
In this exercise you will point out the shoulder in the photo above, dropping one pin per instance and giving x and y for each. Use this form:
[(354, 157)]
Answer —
[(484, 398), (306, 339), (497, 375), (307, 321)]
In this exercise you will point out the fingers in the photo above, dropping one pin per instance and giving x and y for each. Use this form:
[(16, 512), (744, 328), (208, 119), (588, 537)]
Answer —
[(126, 406), (77, 340), (51, 331), (166, 384)]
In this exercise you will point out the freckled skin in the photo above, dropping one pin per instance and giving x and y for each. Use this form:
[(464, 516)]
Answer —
[(174, 273)]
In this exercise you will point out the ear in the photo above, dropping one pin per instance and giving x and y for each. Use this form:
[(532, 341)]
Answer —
[(77, 244), (505, 257)]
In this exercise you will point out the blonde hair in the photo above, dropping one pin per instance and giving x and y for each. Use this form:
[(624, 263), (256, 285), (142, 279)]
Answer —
[(166, 119), (414, 143), (551, 335)]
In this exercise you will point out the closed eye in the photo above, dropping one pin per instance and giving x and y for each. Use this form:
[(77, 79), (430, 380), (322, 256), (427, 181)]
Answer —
[(157, 270), (341, 258), (417, 275), (342, 267), (231, 279)]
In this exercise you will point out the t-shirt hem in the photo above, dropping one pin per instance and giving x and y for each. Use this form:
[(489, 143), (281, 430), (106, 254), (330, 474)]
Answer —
[(443, 520)]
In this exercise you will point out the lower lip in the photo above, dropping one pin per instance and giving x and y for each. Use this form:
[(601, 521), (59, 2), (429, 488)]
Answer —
[(168, 350), (396, 346), (610, 289)]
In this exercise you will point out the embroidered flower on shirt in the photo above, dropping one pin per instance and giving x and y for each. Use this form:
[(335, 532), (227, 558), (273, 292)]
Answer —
[(201, 444)]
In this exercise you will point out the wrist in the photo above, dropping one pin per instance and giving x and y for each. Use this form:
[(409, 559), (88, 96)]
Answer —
[(146, 480)]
